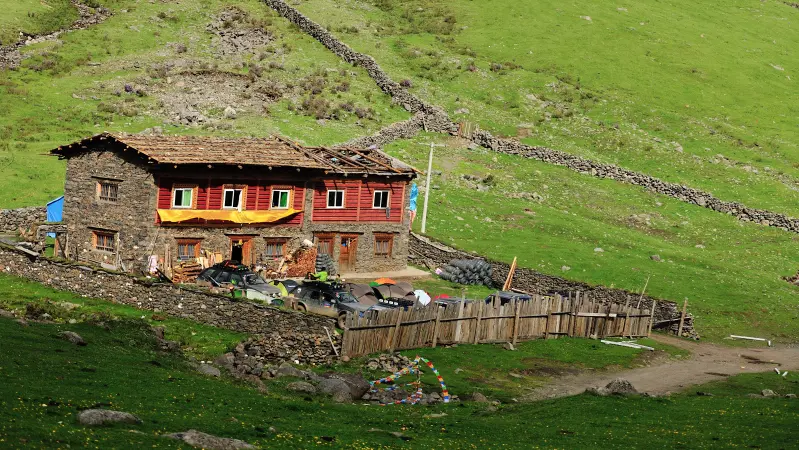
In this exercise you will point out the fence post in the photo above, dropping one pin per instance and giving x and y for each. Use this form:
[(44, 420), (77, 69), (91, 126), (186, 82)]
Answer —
[(458, 322), (395, 338), (624, 329), (575, 310), (435, 329), (651, 318), (345, 340), (682, 317), (549, 318), (477, 326), (516, 322)]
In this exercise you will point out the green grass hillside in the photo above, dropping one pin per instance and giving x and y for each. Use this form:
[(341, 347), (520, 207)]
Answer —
[(45, 381), (701, 93)]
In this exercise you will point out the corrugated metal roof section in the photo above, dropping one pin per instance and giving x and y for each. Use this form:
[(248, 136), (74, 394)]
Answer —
[(272, 152)]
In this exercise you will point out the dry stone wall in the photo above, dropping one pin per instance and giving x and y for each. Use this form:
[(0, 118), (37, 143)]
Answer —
[(433, 118), (216, 310), (12, 220), (427, 252)]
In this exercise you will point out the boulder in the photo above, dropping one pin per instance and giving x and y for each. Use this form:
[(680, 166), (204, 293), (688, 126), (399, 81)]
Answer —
[(337, 388), (655, 258), (767, 393), (73, 337), (199, 439), (225, 360), (790, 395), (508, 346), (207, 369), (357, 384), (478, 397), (287, 370), (95, 417), (230, 113), (301, 386), (619, 386)]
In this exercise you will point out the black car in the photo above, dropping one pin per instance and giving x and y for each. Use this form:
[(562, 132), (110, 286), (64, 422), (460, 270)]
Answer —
[(240, 277), (329, 299), (507, 296)]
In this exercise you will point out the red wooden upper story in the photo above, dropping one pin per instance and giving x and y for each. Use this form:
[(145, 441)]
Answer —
[(334, 200)]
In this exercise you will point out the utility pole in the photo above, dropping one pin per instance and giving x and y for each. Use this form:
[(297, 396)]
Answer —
[(427, 185)]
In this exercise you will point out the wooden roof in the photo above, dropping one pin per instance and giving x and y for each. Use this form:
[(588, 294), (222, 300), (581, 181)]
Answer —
[(269, 152)]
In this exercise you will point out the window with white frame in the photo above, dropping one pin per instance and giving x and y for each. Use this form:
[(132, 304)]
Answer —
[(380, 200), (182, 197), (335, 199), (280, 199), (232, 199)]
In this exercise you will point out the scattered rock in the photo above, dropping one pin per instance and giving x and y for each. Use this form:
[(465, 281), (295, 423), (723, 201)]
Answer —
[(565, 268), (301, 386), (337, 388), (599, 250), (95, 417), (704, 394), (73, 337), (619, 386), (767, 393), (508, 346), (655, 258), (207, 441), (478, 397), (230, 113), (225, 360), (207, 369), (287, 370), (790, 395), (358, 385)]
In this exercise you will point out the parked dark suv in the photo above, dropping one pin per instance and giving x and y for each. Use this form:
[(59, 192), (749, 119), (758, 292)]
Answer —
[(241, 277), (329, 299)]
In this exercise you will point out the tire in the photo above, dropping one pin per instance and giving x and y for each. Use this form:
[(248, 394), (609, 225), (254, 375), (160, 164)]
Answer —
[(342, 320), (302, 308)]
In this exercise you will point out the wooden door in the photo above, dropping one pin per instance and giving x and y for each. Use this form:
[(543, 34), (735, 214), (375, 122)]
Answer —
[(241, 249), (346, 259)]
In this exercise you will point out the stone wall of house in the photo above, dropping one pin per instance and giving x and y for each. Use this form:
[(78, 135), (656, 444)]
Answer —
[(433, 118), (426, 252), (211, 309), (12, 220)]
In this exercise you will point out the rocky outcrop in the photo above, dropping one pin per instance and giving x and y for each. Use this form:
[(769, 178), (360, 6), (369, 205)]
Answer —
[(14, 220), (198, 439), (97, 417)]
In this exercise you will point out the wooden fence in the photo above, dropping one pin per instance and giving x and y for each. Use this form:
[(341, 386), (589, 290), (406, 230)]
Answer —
[(481, 322)]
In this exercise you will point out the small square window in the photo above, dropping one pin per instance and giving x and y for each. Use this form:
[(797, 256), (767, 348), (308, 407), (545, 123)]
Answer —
[(383, 245), (182, 197), (335, 199), (108, 191), (188, 249), (103, 242), (232, 199), (380, 200), (275, 248), (280, 199), (324, 246)]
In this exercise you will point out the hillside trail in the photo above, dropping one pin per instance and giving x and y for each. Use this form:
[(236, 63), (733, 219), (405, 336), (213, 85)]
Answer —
[(663, 375)]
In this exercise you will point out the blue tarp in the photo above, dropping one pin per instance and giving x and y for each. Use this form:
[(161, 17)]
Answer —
[(55, 211)]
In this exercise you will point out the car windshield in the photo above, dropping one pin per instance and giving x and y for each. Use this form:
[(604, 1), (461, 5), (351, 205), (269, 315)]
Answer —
[(253, 278), (346, 297)]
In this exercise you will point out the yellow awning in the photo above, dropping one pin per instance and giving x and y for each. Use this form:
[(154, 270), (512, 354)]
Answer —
[(180, 215)]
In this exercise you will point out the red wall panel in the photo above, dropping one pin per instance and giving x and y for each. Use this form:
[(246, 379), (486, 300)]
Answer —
[(349, 213), (395, 202)]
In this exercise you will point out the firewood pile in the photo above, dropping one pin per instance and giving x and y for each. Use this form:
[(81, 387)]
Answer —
[(302, 262), (186, 272), (671, 325)]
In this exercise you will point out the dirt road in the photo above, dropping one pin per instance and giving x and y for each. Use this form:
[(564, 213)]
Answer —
[(708, 362)]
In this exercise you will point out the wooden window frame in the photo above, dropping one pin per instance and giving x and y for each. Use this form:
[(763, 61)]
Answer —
[(387, 237), (194, 191), (388, 199), (288, 201), (99, 244), (319, 238), (275, 241), (242, 196), (112, 185), (193, 242), (343, 197)]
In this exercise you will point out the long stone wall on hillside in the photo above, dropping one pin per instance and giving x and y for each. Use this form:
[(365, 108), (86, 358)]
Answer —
[(433, 118), (427, 252), (12, 220), (211, 309)]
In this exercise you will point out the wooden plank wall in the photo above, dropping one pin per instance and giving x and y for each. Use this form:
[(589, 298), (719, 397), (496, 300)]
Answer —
[(480, 322)]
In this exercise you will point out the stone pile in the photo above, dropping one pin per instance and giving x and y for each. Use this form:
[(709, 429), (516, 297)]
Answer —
[(387, 362), (261, 354), (234, 35)]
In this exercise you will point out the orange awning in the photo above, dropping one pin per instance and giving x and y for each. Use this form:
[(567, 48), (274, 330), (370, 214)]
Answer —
[(180, 215)]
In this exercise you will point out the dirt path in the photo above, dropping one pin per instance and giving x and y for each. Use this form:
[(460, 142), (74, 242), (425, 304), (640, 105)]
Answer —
[(708, 362)]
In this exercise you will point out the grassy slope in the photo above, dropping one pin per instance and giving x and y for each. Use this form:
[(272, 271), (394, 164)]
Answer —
[(33, 17), (733, 284), (38, 111), (45, 381), (197, 339), (717, 79)]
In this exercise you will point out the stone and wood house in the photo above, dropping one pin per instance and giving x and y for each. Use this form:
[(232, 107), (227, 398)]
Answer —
[(129, 198)]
